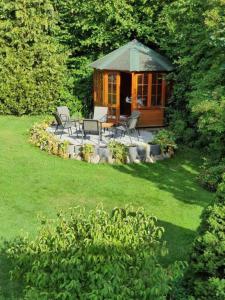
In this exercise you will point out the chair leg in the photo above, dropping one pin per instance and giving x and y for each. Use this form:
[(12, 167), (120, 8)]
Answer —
[(137, 135), (56, 128), (128, 132), (61, 134)]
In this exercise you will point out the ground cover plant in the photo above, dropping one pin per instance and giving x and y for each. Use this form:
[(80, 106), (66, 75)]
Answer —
[(32, 183)]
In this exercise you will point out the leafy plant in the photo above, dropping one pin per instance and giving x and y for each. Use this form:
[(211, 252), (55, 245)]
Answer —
[(94, 255), (47, 141), (211, 175), (87, 150), (166, 139), (119, 151), (206, 274), (33, 64)]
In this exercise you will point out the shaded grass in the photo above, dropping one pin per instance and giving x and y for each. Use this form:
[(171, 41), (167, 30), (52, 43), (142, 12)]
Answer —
[(33, 182)]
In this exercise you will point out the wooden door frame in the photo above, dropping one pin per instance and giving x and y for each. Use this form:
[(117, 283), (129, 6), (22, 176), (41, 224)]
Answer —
[(106, 94)]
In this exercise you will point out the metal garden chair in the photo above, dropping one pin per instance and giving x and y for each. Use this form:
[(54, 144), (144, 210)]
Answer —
[(64, 125), (129, 126), (92, 127)]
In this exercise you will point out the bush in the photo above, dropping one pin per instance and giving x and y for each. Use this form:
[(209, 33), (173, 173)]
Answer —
[(206, 274), (87, 151), (94, 256), (47, 141), (166, 139), (119, 151), (33, 64), (211, 175)]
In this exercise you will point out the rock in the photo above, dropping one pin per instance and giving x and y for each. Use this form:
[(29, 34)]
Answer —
[(77, 157), (94, 159), (137, 161), (166, 155), (159, 157), (150, 159)]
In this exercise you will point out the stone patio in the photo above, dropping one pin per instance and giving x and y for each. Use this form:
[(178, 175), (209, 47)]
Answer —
[(146, 136)]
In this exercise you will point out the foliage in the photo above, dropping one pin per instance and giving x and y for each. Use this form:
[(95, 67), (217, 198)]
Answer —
[(34, 76), (94, 28), (166, 139), (207, 264), (87, 151), (47, 141), (94, 256), (211, 175), (119, 151), (192, 34)]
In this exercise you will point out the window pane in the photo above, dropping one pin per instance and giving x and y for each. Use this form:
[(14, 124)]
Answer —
[(154, 78), (156, 89), (139, 79), (145, 78), (142, 90)]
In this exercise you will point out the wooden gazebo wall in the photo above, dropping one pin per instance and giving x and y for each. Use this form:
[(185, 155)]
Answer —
[(152, 114)]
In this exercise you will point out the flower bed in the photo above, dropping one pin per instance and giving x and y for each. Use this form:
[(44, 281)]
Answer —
[(47, 141)]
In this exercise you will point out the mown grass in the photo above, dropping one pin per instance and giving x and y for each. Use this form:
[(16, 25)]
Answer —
[(34, 183)]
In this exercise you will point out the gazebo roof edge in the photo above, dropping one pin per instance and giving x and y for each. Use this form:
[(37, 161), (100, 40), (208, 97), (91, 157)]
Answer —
[(133, 57)]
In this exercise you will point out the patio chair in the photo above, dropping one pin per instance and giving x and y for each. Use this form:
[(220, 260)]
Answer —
[(92, 127), (100, 113), (65, 125), (64, 113), (129, 126)]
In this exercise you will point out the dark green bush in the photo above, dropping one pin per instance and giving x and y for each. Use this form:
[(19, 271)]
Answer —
[(94, 256), (206, 274), (211, 175), (33, 64), (166, 139)]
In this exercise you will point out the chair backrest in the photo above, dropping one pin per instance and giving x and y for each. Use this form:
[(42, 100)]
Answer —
[(133, 119), (58, 119), (91, 126), (63, 112), (135, 114), (100, 113)]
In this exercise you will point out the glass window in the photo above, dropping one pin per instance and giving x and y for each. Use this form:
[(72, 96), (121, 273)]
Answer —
[(112, 88), (156, 89), (142, 90)]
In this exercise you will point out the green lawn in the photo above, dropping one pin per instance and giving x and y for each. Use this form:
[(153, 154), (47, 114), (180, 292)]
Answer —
[(33, 182)]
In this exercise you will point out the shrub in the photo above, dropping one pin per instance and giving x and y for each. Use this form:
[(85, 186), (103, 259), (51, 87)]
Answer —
[(166, 139), (87, 151), (211, 175), (94, 256), (33, 64), (206, 274), (47, 141), (119, 151)]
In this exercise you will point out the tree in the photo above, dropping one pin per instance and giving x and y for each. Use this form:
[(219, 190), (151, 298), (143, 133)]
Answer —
[(192, 33), (94, 28), (32, 63)]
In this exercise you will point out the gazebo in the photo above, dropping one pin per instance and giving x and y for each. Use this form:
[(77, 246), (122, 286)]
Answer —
[(133, 77)]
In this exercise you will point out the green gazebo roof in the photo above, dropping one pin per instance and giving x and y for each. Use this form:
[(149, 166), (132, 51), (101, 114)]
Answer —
[(132, 57)]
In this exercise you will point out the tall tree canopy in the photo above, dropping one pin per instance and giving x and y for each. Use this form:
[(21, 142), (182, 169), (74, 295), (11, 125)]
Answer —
[(32, 63), (93, 28), (193, 35)]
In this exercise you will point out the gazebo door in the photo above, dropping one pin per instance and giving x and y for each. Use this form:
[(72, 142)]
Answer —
[(112, 95)]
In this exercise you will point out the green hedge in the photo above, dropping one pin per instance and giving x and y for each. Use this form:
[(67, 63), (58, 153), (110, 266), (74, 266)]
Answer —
[(206, 274), (94, 255)]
